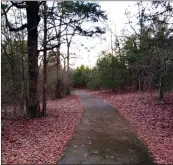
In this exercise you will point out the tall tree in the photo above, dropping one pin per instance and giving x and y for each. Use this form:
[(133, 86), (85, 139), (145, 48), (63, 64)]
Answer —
[(45, 62), (33, 18), (70, 18)]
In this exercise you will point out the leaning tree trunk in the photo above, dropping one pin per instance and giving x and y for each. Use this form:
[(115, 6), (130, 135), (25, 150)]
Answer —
[(33, 20)]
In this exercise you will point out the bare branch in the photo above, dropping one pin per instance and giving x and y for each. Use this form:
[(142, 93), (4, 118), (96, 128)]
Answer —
[(18, 5), (40, 3), (19, 28), (10, 27), (5, 12), (50, 48)]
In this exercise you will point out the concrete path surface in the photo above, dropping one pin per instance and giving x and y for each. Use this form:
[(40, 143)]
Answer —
[(103, 136)]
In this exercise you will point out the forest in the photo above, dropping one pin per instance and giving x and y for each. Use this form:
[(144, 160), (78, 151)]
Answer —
[(53, 26), (39, 102), (141, 61)]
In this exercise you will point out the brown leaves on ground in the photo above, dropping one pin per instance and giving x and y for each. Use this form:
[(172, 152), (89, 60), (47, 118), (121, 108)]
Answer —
[(41, 141), (151, 121)]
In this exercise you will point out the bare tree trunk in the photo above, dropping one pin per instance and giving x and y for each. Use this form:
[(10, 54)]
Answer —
[(68, 69), (68, 58), (130, 73), (59, 83), (139, 83), (44, 62), (22, 104), (64, 64), (163, 72), (14, 93), (33, 20), (23, 93), (68, 41), (27, 86), (12, 65), (161, 93)]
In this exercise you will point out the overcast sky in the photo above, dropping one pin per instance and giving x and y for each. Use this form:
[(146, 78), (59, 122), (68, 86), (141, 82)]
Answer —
[(116, 17), (92, 47)]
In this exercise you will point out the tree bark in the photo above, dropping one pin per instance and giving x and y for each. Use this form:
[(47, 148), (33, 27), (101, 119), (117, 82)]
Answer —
[(44, 62), (22, 78), (130, 73), (59, 82), (161, 92), (68, 57), (68, 68), (59, 86), (33, 20)]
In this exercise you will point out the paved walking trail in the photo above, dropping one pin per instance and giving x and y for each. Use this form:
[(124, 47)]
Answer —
[(103, 137)]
